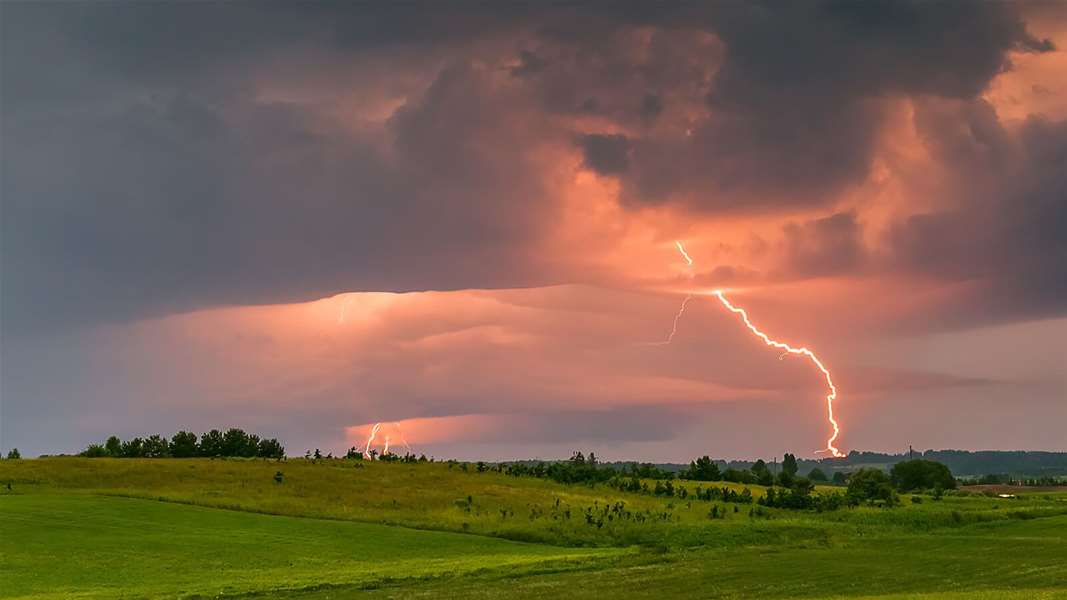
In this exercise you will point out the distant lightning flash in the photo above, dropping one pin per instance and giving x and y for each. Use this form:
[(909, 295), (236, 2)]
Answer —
[(775, 344), (370, 439), (387, 439), (685, 254), (685, 301), (800, 351), (674, 327)]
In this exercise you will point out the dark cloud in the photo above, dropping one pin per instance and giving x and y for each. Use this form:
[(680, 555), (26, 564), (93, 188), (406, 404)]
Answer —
[(651, 106), (798, 99), (1008, 240), (163, 158), (606, 154), (174, 202), (827, 246), (529, 64)]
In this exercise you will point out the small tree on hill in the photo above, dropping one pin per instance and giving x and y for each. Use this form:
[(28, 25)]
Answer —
[(113, 445), (235, 442), (94, 451), (702, 469), (211, 443), (762, 473), (184, 445), (272, 448), (133, 448), (13, 454), (156, 446), (789, 465)]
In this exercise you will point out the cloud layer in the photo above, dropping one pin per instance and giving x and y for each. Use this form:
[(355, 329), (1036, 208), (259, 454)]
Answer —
[(857, 169)]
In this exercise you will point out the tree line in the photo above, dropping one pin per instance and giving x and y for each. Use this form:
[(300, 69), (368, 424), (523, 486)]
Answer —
[(786, 489), (233, 442), (582, 469)]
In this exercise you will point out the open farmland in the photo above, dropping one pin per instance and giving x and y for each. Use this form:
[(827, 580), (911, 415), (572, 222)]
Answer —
[(333, 529)]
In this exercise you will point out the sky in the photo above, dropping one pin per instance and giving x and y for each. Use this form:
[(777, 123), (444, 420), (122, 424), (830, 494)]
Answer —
[(459, 219)]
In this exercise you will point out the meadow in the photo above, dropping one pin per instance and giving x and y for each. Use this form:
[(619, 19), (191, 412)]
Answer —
[(173, 528)]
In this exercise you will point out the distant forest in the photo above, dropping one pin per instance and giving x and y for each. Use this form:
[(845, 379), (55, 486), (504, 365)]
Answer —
[(963, 463)]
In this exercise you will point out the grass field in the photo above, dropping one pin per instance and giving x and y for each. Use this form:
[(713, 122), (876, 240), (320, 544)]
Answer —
[(102, 528)]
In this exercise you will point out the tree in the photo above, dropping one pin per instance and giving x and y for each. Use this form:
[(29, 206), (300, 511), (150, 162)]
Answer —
[(234, 442), (13, 454), (272, 448), (816, 474), (155, 446), (921, 474), (183, 445), (839, 478), (133, 448), (113, 445), (762, 473), (211, 443), (789, 464), (702, 469), (871, 485)]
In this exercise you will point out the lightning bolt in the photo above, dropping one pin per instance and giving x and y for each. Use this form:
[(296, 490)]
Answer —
[(685, 301), (407, 447), (787, 350), (370, 440), (674, 327), (685, 254), (797, 351)]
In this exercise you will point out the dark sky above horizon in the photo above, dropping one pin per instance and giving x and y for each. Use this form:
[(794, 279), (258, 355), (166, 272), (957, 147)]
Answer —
[(460, 219)]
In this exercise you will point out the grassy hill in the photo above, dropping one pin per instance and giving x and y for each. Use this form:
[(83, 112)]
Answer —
[(172, 528), (61, 546)]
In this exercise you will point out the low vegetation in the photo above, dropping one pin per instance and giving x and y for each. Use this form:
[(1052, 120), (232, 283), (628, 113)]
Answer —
[(607, 523)]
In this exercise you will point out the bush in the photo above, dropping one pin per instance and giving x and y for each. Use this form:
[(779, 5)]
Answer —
[(701, 469), (871, 486), (95, 451)]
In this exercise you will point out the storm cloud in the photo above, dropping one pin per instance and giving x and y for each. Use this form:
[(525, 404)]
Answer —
[(898, 168)]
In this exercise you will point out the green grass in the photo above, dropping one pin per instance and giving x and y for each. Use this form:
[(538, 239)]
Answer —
[(1009, 560), (153, 528), (64, 546), (433, 496)]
